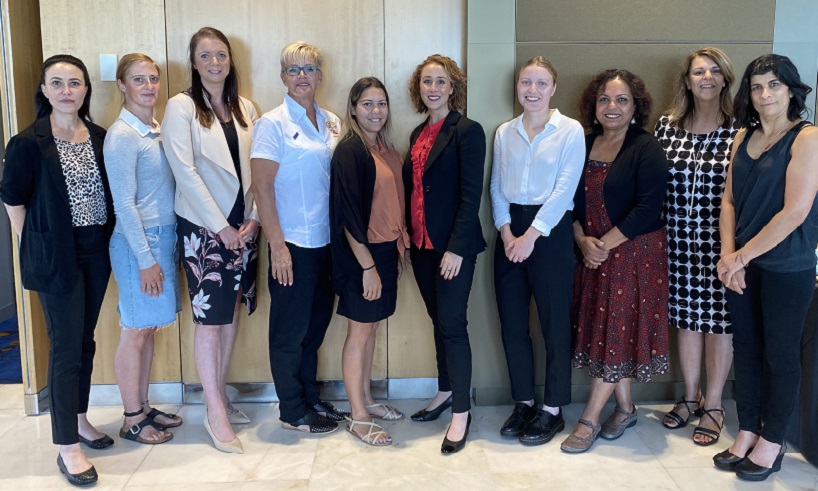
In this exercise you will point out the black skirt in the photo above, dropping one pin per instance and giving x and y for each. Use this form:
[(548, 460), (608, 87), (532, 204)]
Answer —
[(216, 274), (352, 303)]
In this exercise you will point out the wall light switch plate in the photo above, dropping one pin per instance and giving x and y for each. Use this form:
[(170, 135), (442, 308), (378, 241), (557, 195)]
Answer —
[(107, 68)]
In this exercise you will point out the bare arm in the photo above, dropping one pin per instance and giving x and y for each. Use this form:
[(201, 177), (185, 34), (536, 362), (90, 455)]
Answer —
[(372, 280), (17, 216), (263, 188), (800, 188)]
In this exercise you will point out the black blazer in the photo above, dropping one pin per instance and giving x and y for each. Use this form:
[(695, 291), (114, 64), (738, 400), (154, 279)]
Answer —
[(634, 189), (452, 185), (33, 177), (352, 186)]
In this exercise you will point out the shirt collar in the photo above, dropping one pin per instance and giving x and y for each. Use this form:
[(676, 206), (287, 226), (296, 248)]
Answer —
[(298, 112), (134, 122), (552, 124)]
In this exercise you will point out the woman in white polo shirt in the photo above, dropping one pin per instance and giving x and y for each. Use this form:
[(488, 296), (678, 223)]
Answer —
[(290, 156)]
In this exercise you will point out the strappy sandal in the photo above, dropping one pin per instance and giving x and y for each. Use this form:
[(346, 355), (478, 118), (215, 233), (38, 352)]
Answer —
[(372, 435), (576, 444), (680, 421), (133, 432), (154, 413), (390, 414), (712, 434)]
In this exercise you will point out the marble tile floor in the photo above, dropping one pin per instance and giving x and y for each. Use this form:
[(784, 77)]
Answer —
[(647, 457)]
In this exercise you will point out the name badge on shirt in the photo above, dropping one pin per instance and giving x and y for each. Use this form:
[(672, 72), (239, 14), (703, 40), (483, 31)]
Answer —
[(333, 128)]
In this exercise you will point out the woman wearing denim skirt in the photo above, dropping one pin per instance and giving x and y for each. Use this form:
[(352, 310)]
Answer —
[(143, 246)]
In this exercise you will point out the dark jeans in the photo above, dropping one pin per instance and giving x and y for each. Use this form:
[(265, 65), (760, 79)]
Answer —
[(548, 275), (446, 303), (299, 317), (70, 320), (768, 320)]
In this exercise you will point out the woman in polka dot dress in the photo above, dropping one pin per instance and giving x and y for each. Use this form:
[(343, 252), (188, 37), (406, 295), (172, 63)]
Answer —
[(697, 133)]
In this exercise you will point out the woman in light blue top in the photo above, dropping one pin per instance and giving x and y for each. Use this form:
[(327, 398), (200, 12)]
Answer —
[(143, 246)]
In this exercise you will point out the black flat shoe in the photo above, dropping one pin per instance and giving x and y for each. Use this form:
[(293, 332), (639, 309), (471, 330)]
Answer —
[(543, 428), (84, 478), (433, 414), (726, 461), (98, 444), (750, 471), (449, 447), (330, 412), (520, 418)]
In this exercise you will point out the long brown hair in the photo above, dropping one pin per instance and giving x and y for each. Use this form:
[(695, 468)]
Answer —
[(355, 94), (197, 91), (683, 105)]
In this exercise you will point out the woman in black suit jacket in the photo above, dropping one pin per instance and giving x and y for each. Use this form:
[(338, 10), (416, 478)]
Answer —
[(56, 192), (443, 175)]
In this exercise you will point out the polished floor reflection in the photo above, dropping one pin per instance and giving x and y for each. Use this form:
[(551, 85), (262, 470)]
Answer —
[(647, 457)]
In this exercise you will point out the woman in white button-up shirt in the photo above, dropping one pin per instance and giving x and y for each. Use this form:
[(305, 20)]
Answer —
[(538, 160), (292, 147)]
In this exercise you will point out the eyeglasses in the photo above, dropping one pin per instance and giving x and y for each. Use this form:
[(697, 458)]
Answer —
[(294, 70)]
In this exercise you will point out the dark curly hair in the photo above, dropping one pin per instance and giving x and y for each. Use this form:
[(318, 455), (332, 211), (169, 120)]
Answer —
[(641, 97), (457, 77), (747, 115)]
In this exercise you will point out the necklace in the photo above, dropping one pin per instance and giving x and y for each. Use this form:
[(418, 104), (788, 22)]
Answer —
[(770, 141)]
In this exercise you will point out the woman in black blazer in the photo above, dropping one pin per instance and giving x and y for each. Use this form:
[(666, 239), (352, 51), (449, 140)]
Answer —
[(56, 192), (443, 175)]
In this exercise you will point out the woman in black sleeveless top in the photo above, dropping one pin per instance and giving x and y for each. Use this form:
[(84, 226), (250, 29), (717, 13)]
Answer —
[(769, 232)]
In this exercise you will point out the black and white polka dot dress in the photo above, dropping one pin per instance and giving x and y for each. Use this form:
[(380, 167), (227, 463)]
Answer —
[(698, 171)]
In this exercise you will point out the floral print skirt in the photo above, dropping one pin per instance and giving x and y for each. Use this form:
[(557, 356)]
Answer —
[(216, 274)]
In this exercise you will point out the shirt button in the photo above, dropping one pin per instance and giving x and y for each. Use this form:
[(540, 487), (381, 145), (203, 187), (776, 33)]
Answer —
[(428, 189)]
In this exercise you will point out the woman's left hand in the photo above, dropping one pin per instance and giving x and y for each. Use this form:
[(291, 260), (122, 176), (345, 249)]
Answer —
[(450, 265), (737, 284), (249, 229), (151, 279), (520, 248), (727, 267)]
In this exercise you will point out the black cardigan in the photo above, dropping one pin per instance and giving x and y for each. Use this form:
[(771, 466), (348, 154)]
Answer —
[(635, 186), (33, 177), (352, 184)]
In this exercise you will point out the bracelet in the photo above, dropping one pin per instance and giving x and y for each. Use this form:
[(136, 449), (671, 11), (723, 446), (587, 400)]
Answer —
[(367, 269)]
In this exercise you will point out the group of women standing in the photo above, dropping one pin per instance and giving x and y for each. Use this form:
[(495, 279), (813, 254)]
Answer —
[(342, 212)]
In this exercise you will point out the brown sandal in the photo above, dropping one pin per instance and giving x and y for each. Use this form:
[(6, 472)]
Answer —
[(577, 444)]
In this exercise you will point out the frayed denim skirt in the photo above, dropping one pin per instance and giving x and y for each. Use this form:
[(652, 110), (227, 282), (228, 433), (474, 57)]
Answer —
[(137, 310)]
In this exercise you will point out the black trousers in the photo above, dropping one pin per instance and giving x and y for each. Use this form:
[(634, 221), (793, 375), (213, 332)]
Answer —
[(299, 317), (70, 321), (548, 275), (768, 320), (446, 303)]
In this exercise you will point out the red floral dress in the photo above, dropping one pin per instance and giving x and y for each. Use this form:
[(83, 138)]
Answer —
[(620, 311)]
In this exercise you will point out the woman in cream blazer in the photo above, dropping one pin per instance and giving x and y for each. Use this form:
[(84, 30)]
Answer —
[(207, 133)]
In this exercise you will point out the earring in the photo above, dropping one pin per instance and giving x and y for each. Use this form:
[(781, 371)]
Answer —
[(595, 121), (633, 121)]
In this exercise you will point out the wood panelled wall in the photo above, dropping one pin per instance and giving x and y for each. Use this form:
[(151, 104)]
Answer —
[(384, 38)]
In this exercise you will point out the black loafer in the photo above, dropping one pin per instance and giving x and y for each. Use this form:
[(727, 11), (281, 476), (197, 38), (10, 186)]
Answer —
[(332, 413), (449, 447), (84, 478), (433, 414), (520, 418), (750, 471), (98, 444), (543, 428), (314, 421)]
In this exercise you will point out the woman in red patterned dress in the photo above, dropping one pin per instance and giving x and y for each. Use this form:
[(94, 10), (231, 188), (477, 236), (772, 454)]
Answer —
[(619, 311)]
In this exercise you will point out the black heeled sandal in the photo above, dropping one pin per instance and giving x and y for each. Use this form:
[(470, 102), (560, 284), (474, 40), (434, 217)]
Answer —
[(680, 421), (750, 471)]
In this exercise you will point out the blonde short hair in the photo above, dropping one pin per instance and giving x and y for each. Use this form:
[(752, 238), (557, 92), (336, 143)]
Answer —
[(299, 50)]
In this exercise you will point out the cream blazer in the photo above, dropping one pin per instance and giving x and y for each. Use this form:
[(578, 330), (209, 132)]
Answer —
[(206, 180)]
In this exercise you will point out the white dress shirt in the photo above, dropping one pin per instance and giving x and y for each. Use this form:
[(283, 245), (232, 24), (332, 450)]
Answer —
[(544, 171), (287, 136)]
